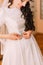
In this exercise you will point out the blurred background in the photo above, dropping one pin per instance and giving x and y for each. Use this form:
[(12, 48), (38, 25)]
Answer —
[(37, 8)]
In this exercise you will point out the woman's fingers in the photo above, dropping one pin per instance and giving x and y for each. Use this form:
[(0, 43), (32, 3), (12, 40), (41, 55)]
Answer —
[(15, 36), (26, 35), (18, 37)]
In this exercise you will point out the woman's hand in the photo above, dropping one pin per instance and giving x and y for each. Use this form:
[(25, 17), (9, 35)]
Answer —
[(10, 36), (27, 34), (15, 36)]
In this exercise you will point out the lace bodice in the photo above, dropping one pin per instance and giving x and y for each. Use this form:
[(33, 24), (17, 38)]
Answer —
[(13, 20)]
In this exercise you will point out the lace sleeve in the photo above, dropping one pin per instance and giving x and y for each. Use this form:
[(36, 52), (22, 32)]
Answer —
[(1, 16), (2, 11)]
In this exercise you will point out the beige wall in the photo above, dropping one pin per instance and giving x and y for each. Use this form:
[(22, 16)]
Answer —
[(39, 22)]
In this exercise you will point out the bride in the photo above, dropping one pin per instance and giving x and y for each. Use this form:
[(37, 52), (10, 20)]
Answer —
[(20, 46)]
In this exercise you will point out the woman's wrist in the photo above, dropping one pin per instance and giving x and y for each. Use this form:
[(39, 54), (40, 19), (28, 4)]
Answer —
[(29, 31)]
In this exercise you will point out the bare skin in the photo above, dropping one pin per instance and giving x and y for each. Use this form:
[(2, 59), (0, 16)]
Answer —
[(27, 34), (10, 36), (16, 36)]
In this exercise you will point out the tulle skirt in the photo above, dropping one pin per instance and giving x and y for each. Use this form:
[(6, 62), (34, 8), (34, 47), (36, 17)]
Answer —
[(22, 52)]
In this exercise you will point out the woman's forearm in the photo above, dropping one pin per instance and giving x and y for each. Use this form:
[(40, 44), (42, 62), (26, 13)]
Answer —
[(8, 36), (5, 36)]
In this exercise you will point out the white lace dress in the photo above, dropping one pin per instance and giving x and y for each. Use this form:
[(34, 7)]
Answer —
[(18, 52)]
